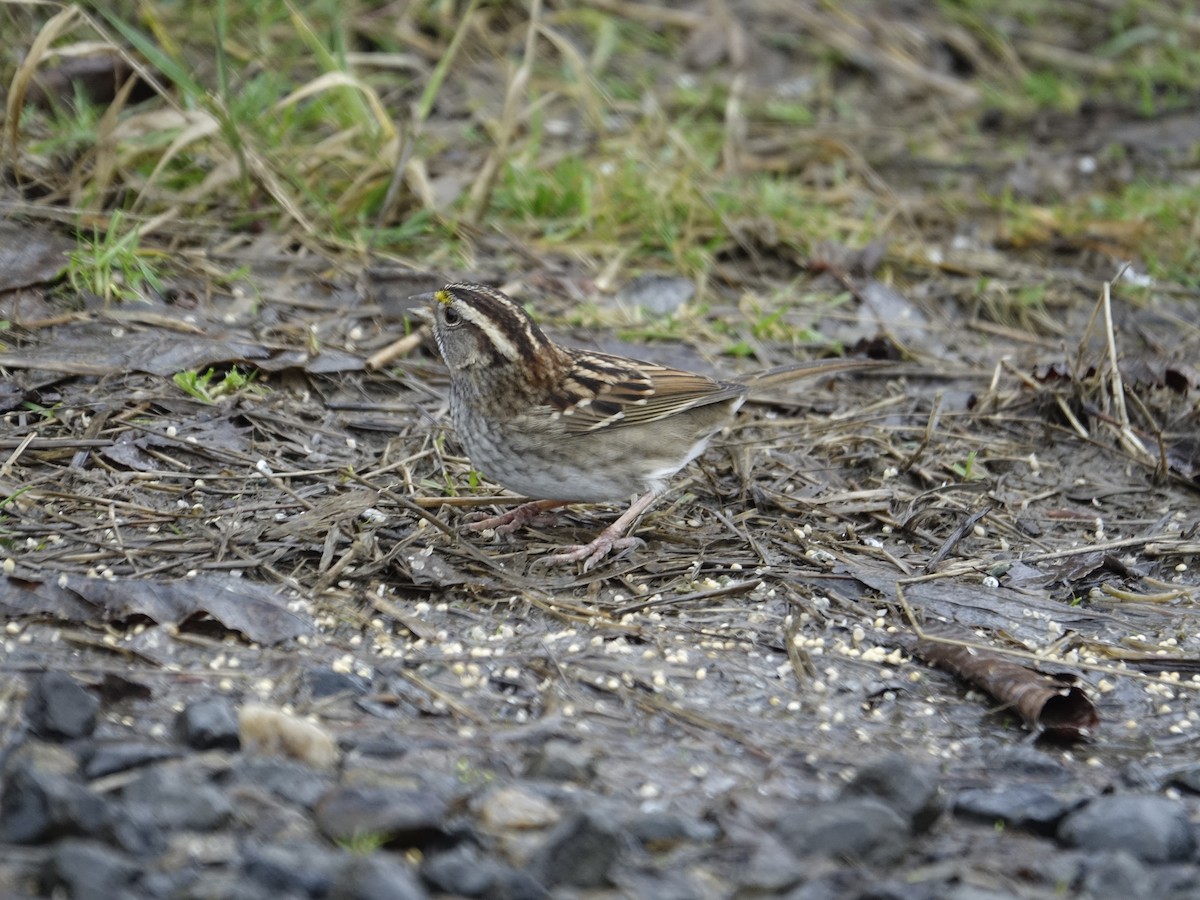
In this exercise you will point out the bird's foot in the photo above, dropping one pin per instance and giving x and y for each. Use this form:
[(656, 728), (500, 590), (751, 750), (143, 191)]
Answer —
[(514, 519), (592, 553)]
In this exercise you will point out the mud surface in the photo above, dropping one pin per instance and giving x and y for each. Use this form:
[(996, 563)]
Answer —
[(733, 709)]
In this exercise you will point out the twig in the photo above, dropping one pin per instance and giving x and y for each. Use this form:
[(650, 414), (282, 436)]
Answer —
[(1039, 658), (729, 590), (955, 536)]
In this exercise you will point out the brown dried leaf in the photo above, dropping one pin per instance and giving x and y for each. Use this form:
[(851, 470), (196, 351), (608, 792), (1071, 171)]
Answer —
[(1044, 703)]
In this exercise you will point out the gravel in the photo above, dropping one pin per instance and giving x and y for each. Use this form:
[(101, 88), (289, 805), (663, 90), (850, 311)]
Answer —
[(178, 806)]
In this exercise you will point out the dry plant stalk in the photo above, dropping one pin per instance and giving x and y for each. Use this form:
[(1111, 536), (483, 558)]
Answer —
[(481, 190)]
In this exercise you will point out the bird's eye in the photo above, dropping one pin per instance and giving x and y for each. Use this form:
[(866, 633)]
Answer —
[(451, 316)]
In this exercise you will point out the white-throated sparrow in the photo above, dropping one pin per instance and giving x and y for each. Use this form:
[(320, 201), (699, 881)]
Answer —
[(571, 425)]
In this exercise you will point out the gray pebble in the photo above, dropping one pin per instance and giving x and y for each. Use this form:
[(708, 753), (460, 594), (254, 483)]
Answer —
[(208, 724), (1186, 779), (108, 759), (664, 829), (37, 806), (580, 852), (1115, 876), (1176, 882), (301, 869), (465, 871), (865, 829), (175, 798), (376, 877), (563, 761), (908, 787), (410, 818), (1152, 828), (89, 870), (288, 780), (1020, 806), (60, 708)]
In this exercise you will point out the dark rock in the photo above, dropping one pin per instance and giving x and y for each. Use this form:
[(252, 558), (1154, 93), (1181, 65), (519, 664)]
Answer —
[(324, 682), (285, 778), (973, 892), (1116, 876), (44, 756), (376, 877), (836, 885), (770, 871), (306, 870), (89, 870), (1136, 777), (1186, 779), (908, 787), (411, 818), (562, 761), (135, 832), (659, 885), (107, 759), (1152, 828), (1020, 806), (464, 871), (1179, 882), (60, 708), (37, 806), (858, 830), (208, 724), (514, 885), (580, 852), (661, 830), (900, 890), (224, 884), (174, 883), (175, 798)]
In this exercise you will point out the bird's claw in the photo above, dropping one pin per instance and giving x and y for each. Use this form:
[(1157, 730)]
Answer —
[(591, 553), (511, 521)]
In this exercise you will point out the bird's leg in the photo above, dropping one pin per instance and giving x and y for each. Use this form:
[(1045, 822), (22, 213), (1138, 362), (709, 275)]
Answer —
[(515, 519), (610, 539)]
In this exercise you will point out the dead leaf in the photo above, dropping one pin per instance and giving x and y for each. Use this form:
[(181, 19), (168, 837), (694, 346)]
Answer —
[(85, 350), (257, 611), (1045, 703)]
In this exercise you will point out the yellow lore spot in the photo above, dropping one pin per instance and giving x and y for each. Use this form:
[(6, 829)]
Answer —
[(443, 297)]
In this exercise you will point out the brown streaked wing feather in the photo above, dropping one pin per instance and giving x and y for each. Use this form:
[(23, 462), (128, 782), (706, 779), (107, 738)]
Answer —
[(630, 392)]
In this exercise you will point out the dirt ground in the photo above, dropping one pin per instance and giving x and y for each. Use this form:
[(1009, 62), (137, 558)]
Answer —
[(1019, 478)]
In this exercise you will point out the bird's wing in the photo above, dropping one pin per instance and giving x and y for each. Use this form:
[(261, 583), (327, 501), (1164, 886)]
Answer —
[(603, 391)]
